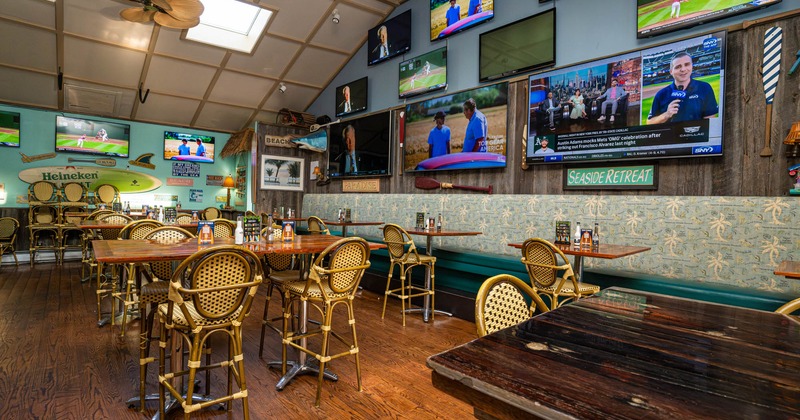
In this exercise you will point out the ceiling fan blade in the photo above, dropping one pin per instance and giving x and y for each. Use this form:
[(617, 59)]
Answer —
[(185, 9), (164, 19), (137, 14)]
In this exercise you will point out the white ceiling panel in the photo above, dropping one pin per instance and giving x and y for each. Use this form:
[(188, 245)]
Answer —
[(170, 44), (166, 109), (268, 117), (99, 19), (307, 68), (28, 88), (126, 97), (343, 37), (294, 20), (38, 12), (270, 58), (102, 63), (296, 98), (240, 89), (19, 40), (179, 77), (223, 117)]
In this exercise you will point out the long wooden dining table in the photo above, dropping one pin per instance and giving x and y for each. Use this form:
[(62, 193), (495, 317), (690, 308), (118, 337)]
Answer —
[(627, 354)]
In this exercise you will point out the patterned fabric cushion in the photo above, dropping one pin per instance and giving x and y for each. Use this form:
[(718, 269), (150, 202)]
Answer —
[(179, 320), (297, 287)]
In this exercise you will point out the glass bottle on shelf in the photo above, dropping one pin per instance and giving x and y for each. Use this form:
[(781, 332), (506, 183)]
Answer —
[(238, 234), (596, 236), (576, 239), (439, 223)]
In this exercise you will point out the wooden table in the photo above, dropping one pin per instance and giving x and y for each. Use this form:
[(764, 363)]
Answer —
[(429, 235), (627, 354), (605, 251), (344, 225), (789, 269)]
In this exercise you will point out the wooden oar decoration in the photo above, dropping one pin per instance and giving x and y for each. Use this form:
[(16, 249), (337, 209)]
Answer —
[(770, 72), (524, 147), (432, 184), (101, 162)]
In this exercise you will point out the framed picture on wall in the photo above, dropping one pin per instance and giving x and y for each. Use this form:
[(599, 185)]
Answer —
[(282, 173)]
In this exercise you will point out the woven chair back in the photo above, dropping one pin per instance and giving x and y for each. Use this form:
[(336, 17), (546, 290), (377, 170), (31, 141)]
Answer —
[(43, 192), (113, 218), (8, 228), (349, 257), (223, 228), (316, 226), (74, 192), (396, 239), (540, 257), (211, 213), (97, 213), (170, 235), (278, 262), (183, 218), (43, 215), (106, 194), (502, 301), (139, 229)]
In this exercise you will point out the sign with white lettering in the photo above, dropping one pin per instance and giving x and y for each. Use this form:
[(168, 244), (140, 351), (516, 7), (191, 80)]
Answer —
[(279, 141), (641, 177), (185, 169)]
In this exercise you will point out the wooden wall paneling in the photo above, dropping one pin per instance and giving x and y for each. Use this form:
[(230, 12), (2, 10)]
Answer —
[(267, 200)]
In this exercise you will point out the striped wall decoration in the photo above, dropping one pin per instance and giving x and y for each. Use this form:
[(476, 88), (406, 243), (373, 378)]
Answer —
[(771, 66)]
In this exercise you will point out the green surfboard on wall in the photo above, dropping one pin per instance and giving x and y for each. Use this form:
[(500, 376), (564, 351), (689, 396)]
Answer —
[(126, 181)]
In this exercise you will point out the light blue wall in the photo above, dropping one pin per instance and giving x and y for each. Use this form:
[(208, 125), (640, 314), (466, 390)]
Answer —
[(37, 136), (587, 29)]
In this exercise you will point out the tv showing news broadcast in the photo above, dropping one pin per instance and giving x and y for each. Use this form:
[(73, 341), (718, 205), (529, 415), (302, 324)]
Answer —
[(465, 130), (92, 137), (9, 128), (449, 17), (657, 17), (188, 147), (351, 97), (661, 102), (424, 73), (389, 39), (361, 147)]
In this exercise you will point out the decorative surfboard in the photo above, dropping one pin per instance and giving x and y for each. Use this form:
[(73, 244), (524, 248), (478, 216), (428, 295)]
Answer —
[(126, 181), (770, 72), (190, 158), (467, 21), (464, 160)]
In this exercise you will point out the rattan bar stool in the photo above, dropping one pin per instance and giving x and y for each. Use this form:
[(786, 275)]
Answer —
[(8, 237), (403, 253)]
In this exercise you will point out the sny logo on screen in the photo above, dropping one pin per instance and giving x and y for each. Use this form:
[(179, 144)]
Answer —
[(704, 150), (710, 43)]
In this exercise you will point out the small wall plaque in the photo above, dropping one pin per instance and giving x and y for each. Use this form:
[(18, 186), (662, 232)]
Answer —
[(361, 185)]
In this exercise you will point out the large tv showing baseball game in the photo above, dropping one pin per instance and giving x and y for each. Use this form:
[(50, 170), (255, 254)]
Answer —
[(92, 137), (518, 47), (464, 130), (9, 129), (351, 97), (424, 73), (452, 16), (389, 39), (188, 147), (657, 17), (361, 147), (665, 101)]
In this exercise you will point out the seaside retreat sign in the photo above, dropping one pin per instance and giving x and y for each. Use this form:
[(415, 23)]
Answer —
[(642, 177)]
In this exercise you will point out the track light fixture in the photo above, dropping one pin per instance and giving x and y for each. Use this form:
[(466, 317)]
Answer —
[(335, 17), (282, 88)]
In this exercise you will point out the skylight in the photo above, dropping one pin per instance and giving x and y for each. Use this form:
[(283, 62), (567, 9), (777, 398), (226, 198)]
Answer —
[(230, 24)]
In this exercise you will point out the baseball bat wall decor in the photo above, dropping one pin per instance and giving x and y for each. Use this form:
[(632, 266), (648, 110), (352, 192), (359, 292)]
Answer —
[(424, 183), (101, 162), (770, 72)]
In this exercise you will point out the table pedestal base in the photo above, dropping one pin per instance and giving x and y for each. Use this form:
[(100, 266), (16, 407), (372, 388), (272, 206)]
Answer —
[(298, 369), (426, 312)]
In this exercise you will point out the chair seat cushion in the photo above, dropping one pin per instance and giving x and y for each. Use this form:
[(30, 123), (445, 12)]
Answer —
[(585, 288), (420, 259), (286, 276), (154, 292), (179, 320), (297, 287)]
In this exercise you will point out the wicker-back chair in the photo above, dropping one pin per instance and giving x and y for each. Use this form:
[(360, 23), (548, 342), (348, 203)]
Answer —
[(333, 279), (223, 228), (8, 236), (789, 307), (97, 213), (139, 229), (211, 213), (42, 192), (153, 294), (222, 282), (551, 273), (104, 286), (44, 230), (316, 226), (279, 270), (74, 194), (115, 219), (502, 301), (106, 194), (403, 253), (183, 218)]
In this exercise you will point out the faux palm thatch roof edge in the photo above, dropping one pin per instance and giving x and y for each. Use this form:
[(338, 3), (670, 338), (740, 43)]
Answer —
[(238, 142)]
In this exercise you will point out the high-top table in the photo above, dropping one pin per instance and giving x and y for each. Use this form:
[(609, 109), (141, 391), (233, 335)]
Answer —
[(344, 225), (605, 251), (627, 354)]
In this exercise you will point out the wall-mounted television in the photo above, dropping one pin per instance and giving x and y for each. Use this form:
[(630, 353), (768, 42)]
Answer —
[(188, 147), (450, 17), (661, 102), (389, 39), (424, 73), (518, 47), (82, 135), (361, 147), (657, 17), (9, 129), (351, 97), (440, 135)]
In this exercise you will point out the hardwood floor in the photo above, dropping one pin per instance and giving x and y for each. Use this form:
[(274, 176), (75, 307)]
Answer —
[(55, 363)]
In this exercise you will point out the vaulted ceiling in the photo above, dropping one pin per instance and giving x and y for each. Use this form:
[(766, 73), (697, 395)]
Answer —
[(100, 61)]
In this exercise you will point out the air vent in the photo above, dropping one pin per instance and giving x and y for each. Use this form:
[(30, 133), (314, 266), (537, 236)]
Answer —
[(91, 101)]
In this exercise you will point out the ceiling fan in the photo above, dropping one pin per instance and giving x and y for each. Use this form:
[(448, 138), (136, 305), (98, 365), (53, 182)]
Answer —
[(178, 14)]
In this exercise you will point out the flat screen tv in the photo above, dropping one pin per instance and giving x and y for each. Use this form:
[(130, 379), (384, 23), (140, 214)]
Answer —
[(438, 135), (351, 97), (518, 47), (9, 129), (661, 102), (389, 39), (361, 147), (657, 17), (82, 135), (188, 147), (449, 18), (424, 73)]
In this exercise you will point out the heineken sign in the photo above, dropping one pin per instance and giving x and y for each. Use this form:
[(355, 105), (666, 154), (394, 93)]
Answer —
[(611, 177), (125, 180)]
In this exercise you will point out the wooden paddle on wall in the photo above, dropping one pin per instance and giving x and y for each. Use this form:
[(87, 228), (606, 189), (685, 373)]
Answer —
[(770, 71), (432, 184), (101, 162)]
